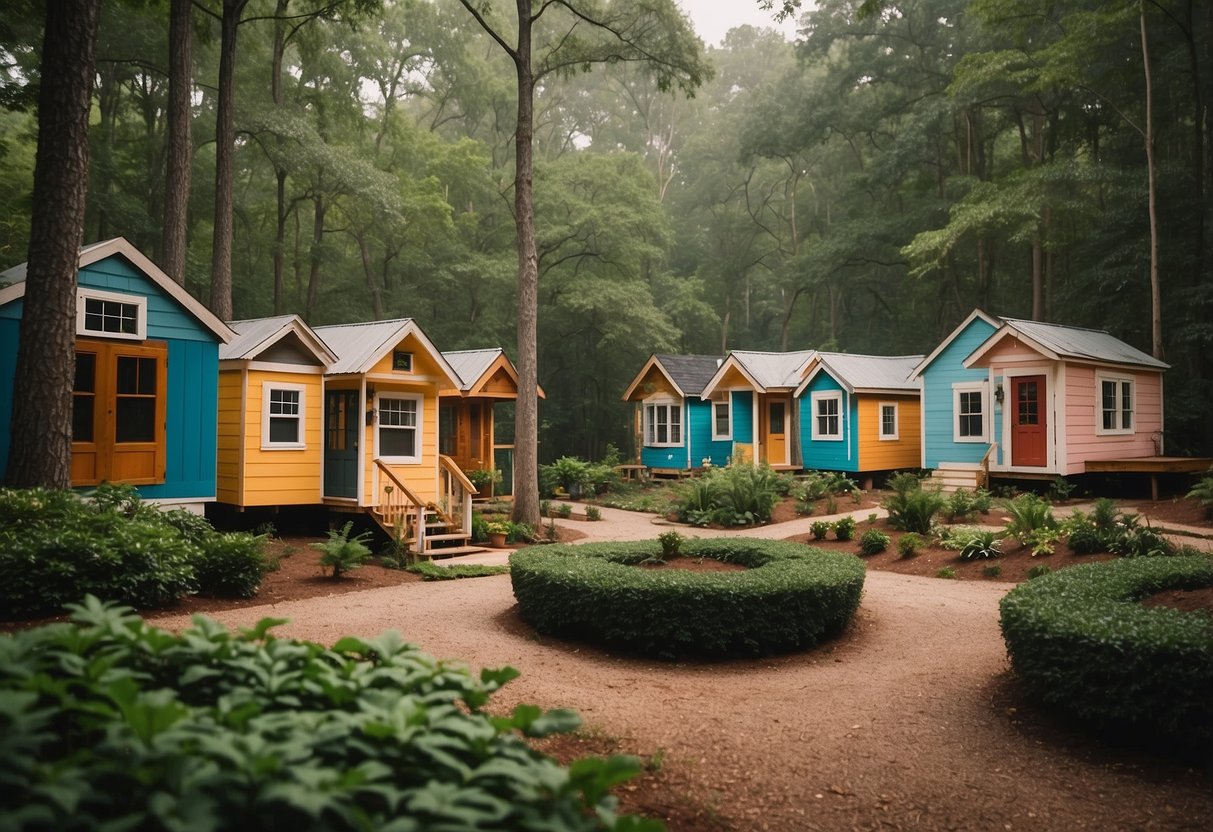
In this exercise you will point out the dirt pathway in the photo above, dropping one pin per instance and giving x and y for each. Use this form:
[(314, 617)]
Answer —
[(905, 723)]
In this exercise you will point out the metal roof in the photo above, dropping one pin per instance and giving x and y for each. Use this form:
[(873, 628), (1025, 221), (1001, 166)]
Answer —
[(1084, 344), (871, 373), (255, 335), (359, 346), (470, 365), (774, 369), (690, 372)]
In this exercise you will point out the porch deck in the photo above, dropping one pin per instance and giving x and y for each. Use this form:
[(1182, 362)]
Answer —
[(1152, 465)]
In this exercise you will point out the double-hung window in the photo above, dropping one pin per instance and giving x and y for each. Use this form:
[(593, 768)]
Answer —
[(662, 424), (827, 415), (399, 428), (1115, 404), (969, 412), (722, 418), (888, 420), (282, 414)]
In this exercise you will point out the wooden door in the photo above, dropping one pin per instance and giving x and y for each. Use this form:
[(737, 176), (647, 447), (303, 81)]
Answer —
[(777, 432), (1029, 422), (342, 424)]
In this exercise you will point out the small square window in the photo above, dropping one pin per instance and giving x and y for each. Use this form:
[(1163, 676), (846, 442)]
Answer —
[(282, 417), (402, 361), (111, 314)]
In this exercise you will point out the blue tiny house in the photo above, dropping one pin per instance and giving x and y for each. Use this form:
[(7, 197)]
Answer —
[(147, 376), (957, 403), (678, 429)]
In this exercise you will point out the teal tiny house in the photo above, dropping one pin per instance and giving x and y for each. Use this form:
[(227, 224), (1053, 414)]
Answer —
[(147, 375)]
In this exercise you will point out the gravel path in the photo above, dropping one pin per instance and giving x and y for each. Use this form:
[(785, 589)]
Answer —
[(907, 722)]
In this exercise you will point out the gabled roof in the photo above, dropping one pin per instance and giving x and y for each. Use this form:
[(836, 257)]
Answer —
[(764, 371), (865, 373), (688, 374), (1068, 343), (255, 335), (359, 347), (476, 367), (943, 345), (96, 252)]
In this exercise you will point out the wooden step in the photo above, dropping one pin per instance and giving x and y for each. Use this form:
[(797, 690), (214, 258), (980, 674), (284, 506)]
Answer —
[(449, 536), (452, 551)]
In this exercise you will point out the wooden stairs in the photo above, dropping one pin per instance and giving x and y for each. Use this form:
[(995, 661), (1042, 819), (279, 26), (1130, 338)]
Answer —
[(953, 476), (442, 538), (426, 529)]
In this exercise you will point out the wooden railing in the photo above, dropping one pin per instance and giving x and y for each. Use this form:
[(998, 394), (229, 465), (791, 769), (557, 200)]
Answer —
[(401, 511), (455, 492), (983, 472)]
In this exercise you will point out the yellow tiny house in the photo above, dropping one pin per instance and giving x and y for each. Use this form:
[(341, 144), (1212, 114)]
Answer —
[(271, 395)]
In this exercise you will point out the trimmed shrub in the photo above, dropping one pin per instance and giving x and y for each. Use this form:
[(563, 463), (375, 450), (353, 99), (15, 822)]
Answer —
[(789, 597), (844, 528), (820, 528), (231, 565), (873, 542), (433, 572), (123, 726), (1083, 535), (1082, 641), (909, 544)]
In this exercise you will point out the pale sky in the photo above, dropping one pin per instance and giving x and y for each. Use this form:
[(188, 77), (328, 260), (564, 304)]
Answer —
[(713, 18)]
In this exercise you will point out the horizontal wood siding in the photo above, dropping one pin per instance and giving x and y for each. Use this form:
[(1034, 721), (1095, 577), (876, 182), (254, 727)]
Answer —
[(288, 476), (231, 421), (423, 363), (165, 318), (876, 454), (937, 400), (1082, 401), (421, 477)]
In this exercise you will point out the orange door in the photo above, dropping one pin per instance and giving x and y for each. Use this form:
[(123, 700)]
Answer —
[(1029, 422), (777, 432)]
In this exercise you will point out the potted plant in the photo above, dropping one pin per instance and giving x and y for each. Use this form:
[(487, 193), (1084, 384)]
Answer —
[(484, 479), (497, 532)]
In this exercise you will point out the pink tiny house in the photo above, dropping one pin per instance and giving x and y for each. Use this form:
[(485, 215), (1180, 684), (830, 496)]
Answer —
[(1067, 399)]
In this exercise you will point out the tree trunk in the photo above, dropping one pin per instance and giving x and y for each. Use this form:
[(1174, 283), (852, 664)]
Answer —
[(225, 150), (368, 272), (180, 158), (1155, 283), (279, 97), (280, 243), (41, 427), (313, 280), (526, 438)]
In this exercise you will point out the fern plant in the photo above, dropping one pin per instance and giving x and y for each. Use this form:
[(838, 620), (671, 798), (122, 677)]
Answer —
[(1203, 492), (343, 553), (1028, 513)]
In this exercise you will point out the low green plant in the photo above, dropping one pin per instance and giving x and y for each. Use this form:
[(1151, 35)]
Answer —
[(909, 544), (482, 477), (1131, 539), (820, 528), (593, 513), (804, 508), (430, 571), (342, 553), (1039, 571), (671, 543), (844, 528), (480, 528), (946, 572), (981, 545), (873, 542), (498, 527), (1082, 535), (1028, 513), (872, 519), (982, 501), (992, 570), (959, 505), (571, 474), (1043, 541), (231, 565), (551, 533), (911, 507), (545, 508), (1060, 490), (831, 504), (1105, 515), (124, 726), (1203, 493), (564, 511)]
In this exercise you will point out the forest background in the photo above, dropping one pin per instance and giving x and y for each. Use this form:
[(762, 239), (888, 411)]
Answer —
[(861, 189)]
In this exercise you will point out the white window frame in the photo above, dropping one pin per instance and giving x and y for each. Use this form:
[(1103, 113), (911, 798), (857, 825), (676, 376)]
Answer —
[(420, 402), (1118, 379), (652, 422), (980, 388), (138, 301), (815, 399), (727, 403), (896, 434), (267, 390)]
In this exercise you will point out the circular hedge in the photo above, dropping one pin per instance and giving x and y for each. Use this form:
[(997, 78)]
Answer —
[(1081, 640), (790, 597)]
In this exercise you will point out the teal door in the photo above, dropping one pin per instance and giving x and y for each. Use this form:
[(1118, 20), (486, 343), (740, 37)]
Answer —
[(342, 422)]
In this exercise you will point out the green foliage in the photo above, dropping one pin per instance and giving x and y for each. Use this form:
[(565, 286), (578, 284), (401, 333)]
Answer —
[(1083, 643), (1039, 571), (231, 565), (735, 495), (992, 570), (962, 505), (946, 572), (671, 543), (1131, 539), (480, 528), (909, 544), (121, 725), (1028, 513), (1203, 493), (873, 542), (433, 572), (844, 528), (981, 545), (593, 513), (1082, 535), (570, 474), (564, 510), (482, 477), (788, 598), (820, 528), (1105, 515), (340, 552), (1060, 489), (911, 507)]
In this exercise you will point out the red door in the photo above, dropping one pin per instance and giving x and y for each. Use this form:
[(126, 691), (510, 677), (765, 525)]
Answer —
[(1029, 428)]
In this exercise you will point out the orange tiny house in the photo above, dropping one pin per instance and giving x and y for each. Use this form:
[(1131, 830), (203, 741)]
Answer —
[(271, 408)]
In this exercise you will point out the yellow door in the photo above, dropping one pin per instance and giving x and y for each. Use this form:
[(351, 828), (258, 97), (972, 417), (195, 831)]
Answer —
[(777, 432)]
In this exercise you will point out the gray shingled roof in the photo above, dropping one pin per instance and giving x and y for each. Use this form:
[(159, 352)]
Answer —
[(1086, 344), (774, 369), (470, 365), (872, 373), (690, 372)]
